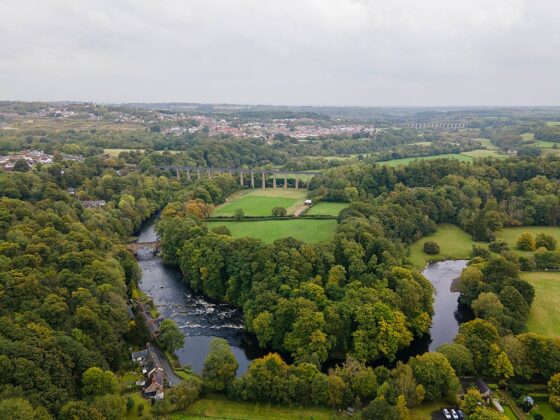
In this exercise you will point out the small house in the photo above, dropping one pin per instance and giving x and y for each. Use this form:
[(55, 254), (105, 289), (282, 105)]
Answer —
[(484, 390)]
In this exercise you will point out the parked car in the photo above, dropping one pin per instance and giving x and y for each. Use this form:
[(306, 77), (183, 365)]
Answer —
[(454, 414), (460, 414), (446, 414)]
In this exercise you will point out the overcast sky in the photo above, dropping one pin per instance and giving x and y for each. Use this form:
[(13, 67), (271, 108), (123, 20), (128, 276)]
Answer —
[(292, 52)]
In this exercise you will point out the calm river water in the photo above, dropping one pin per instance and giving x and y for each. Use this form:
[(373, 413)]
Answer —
[(201, 320)]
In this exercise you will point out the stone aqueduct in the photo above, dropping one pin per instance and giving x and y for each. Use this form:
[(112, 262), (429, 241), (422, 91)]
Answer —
[(263, 174)]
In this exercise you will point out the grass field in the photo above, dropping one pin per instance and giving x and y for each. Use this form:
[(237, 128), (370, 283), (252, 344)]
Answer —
[(116, 152), (528, 136), (487, 143), (217, 407), (454, 243), (326, 208), (307, 230), (424, 411), (260, 202), (133, 414), (511, 234), (479, 153), (406, 161), (545, 310), (551, 123)]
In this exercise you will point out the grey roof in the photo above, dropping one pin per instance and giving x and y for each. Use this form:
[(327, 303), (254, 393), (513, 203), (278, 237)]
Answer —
[(482, 387)]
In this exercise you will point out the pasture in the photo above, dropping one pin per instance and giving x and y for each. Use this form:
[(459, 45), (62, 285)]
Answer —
[(326, 208), (306, 230), (260, 202), (545, 310)]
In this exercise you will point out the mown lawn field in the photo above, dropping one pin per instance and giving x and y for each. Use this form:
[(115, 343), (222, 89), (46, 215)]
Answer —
[(424, 411), (544, 317), (260, 202), (454, 243), (307, 230), (406, 161), (326, 208), (219, 407)]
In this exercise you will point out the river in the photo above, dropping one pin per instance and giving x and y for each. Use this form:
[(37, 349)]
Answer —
[(201, 320), (197, 317)]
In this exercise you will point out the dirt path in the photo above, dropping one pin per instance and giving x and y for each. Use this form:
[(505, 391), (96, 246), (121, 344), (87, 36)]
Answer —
[(300, 209)]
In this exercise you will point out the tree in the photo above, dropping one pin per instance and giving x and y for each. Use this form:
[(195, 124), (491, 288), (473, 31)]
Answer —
[(279, 211), (459, 357), (379, 409), (97, 382), (404, 384), (526, 242), (545, 241), (220, 366), (16, 409), (21, 165), (554, 384), (431, 247), (471, 401), (435, 374), (170, 336), (186, 393), (112, 407), (488, 306), (479, 336)]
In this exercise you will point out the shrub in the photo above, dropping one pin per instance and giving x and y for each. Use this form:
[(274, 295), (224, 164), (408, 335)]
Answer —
[(526, 242), (498, 245), (478, 251), (221, 230), (431, 248), (239, 214), (279, 211), (545, 241)]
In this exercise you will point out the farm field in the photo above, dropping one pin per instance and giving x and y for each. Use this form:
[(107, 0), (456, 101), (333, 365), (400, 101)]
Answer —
[(218, 407), (307, 230), (406, 161), (454, 244), (326, 208), (551, 123), (260, 202), (545, 310)]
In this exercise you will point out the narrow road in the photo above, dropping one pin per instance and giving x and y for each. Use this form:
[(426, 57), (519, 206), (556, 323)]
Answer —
[(172, 379)]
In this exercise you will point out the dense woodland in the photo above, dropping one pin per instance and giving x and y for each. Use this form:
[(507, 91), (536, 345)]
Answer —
[(352, 303)]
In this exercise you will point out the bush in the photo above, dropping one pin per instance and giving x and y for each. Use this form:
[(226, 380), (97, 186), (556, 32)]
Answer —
[(239, 214), (526, 242), (279, 211), (221, 230), (527, 263), (545, 241), (478, 251), (498, 246), (431, 248)]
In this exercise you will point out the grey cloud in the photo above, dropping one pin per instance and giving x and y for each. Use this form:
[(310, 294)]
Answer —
[(321, 52)]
